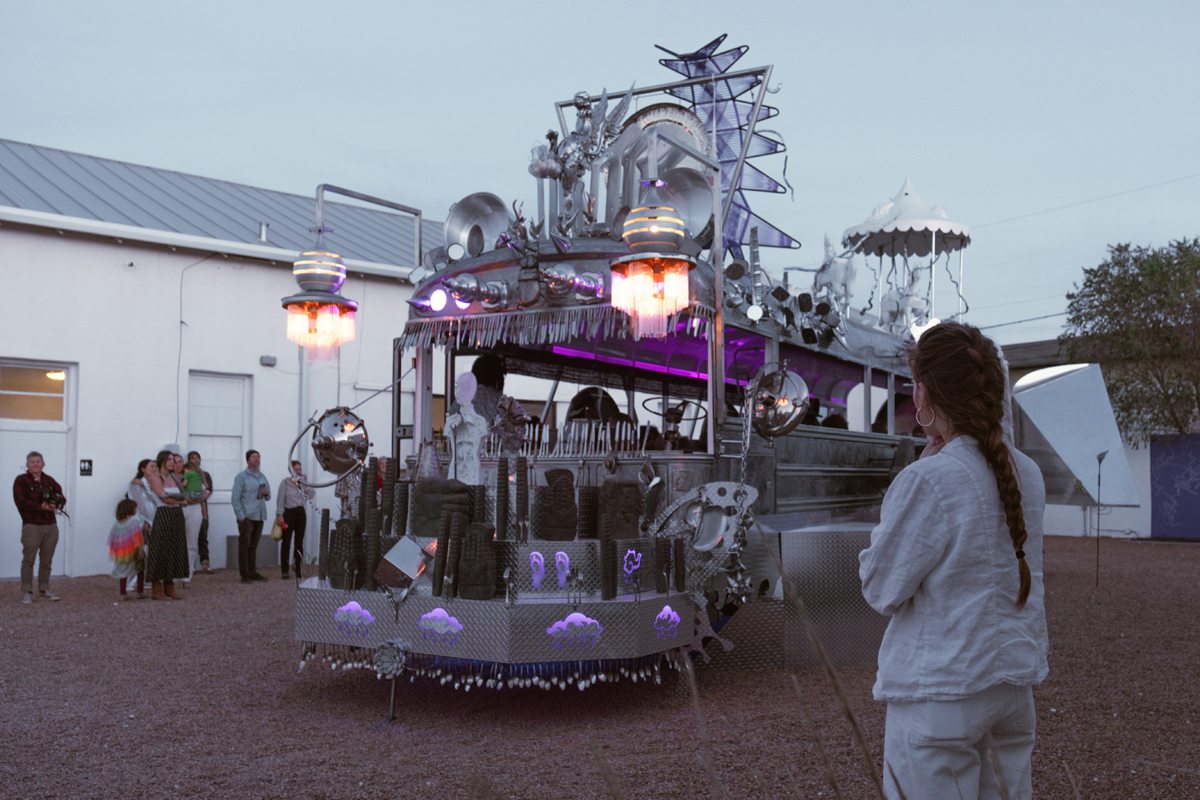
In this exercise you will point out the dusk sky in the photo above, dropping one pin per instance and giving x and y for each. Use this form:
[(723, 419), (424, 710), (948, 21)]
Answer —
[(996, 111)]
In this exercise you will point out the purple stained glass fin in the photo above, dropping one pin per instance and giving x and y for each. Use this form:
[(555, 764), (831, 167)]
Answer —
[(742, 219), (755, 180), (705, 61), (724, 89), (726, 105), (732, 115)]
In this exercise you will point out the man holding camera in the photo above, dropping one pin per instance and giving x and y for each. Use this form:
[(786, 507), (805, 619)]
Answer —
[(38, 498), (251, 491)]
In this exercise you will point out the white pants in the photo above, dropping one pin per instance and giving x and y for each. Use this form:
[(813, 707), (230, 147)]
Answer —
[(936, 748), (193, 517)]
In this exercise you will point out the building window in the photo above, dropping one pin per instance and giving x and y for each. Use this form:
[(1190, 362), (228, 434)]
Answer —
[(219, 424), (32, 393)]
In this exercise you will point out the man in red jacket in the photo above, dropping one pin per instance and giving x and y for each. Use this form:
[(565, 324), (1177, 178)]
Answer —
[(38, 497)]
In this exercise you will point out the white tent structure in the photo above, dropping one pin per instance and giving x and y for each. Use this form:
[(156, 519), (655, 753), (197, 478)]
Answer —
[(908, 227), (1063, 420)]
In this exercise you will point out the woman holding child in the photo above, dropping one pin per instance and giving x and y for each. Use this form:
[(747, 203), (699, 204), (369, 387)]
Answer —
[(167, 554)]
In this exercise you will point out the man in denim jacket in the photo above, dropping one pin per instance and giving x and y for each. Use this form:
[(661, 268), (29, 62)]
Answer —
[(251, 491)]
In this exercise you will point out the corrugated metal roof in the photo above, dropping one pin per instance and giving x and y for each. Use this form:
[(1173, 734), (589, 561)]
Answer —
[(43, 179)]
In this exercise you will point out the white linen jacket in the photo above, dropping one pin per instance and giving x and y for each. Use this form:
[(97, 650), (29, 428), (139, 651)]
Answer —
[(942, 565)]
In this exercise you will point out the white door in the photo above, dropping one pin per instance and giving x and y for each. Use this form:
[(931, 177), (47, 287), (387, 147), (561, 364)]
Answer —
[(219, 430), (34, 407)]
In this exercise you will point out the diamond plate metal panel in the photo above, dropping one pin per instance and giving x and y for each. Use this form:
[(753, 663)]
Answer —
[(533, 631), (822, 561), (757, 633)]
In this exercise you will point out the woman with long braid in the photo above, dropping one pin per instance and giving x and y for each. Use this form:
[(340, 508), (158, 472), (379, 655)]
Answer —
[(956, 562)]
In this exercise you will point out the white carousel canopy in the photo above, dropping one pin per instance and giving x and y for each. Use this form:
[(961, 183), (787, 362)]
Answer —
[(907, 226)]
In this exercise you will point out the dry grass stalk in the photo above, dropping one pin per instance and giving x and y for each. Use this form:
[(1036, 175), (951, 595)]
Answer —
[(1071, 778), (754, 771), (795, 786), (830, 671), (825, 764), (1172, 769), (606, 773), (993, 757), (716, 787)]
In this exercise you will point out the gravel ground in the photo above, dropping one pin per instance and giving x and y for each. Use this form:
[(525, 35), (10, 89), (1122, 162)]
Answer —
[(202, 698)]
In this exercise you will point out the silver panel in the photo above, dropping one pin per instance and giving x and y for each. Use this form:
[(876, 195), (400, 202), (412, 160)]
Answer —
[(490, 631), (822, 562), (757, 632)]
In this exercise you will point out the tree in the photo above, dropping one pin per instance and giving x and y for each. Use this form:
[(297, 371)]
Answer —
[(1138, 315)]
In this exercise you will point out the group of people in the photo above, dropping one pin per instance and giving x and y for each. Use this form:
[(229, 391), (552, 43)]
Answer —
[(160, 536), (167, 504), (162, 526)]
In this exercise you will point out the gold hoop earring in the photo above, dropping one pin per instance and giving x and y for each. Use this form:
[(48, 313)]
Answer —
[(932, 416)]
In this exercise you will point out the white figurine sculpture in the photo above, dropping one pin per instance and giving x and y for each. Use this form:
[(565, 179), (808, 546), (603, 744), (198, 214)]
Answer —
[(836, 276), (901, 308), (465, 430)]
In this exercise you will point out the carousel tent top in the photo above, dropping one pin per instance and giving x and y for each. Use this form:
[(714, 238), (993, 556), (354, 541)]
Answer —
[(907, 226)]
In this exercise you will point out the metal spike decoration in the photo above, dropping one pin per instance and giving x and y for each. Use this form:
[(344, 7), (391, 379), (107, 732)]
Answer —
[(394, 658), (400, 509), (522, 499), (589, 511), (389, 660), (534, 327), (439, 556), (608, 565), (501, 498), (479, 504), (680, 566), (387, 496), (662, 565), (372, 554), (323, 547), (458, 525), (366, 490)]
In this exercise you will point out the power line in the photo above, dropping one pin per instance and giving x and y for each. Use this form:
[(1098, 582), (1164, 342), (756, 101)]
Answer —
[(1015, 302), (1085, 202), (1019, 321)]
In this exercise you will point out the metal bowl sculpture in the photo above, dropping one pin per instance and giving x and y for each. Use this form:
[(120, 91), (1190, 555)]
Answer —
[(778, 403), (340, 441), (475, 221)]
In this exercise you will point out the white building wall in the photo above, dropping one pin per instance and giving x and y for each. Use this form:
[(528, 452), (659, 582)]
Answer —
[(114, 310)]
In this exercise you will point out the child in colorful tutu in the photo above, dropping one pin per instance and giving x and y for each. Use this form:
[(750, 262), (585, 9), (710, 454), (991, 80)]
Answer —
[(125, 547)]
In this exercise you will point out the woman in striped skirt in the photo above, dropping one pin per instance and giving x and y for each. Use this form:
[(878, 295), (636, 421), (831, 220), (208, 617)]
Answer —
[(166, 546)]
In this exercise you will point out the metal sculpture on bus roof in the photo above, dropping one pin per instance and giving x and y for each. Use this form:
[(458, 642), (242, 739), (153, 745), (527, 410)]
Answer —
[(716, 103)]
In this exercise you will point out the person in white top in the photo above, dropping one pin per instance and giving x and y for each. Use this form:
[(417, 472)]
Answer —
[(956, 562)]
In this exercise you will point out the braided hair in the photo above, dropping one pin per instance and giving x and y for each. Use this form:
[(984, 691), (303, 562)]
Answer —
[(964, 377)]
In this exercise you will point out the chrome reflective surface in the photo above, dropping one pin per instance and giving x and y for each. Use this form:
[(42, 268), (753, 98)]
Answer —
[(340, 440), (475, 222), (780, 403)]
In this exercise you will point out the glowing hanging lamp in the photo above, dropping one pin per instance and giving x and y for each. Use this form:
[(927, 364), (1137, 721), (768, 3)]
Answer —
[(652, 284), (318, 317)]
